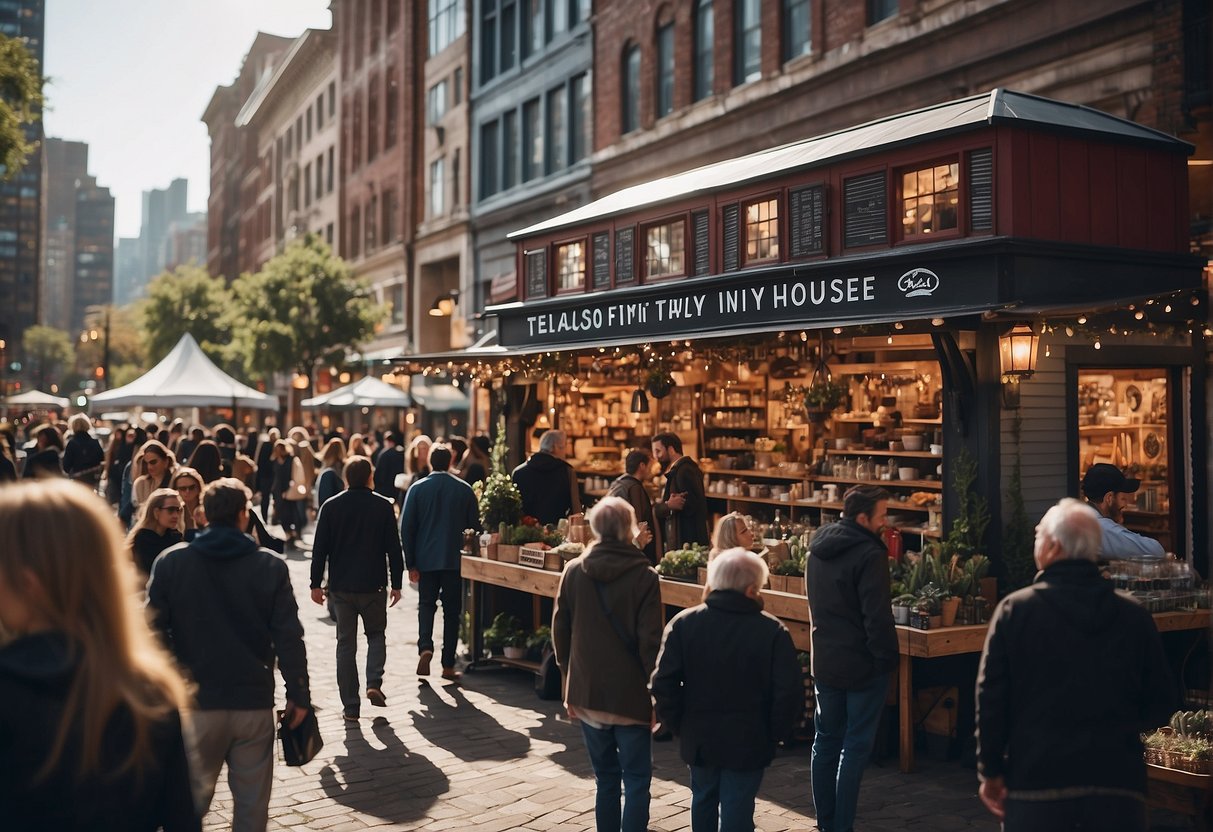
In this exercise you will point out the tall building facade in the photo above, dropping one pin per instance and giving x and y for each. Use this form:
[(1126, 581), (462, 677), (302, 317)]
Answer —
[(531, 122), (162, 208), (294, 116), (21, 206), (93, 281), (128, 270), (186, 242)]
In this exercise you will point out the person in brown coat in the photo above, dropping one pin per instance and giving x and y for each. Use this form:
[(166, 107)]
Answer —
[(606, 630)]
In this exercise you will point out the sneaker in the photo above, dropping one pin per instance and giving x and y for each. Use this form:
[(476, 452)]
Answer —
[(451, 674), (423, 662), (377, 698)]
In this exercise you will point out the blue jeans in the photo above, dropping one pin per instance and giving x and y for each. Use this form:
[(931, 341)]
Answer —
[(621, 753), (371, 607), (845, 722), (723, 798)]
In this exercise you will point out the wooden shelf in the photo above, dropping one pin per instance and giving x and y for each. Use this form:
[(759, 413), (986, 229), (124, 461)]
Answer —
[(865, 452), (521, 664), (755, 473), (727, 427), (1098, 428), (927, 485), (918, 531), (852, 420)]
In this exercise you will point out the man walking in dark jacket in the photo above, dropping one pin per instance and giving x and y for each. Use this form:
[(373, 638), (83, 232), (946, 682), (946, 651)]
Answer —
[(606, 630), (547, 483), (729, 686), (853, 649), (227, 611), (437, 510), (356, 536), (1070, 677), (389, 464)]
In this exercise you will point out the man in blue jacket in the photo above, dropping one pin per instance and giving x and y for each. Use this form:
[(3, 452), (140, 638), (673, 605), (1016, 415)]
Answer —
[(437, 510), (226, 610)]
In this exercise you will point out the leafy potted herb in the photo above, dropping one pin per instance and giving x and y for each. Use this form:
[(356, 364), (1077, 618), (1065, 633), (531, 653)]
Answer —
[(902, 604), (505, 633), (682, 564), (498, 498), (822, 397), (538, 643), (659, 383)]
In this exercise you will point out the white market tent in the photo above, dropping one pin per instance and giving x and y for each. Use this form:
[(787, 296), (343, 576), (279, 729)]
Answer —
[(185, 378), (36, 399), (365, 392), (438, 398)]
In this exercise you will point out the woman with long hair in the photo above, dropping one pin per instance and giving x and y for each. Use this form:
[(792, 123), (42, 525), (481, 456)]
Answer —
[(303, 479), (417, 460), (159, 465), (207, 461), (188, 483), (732, 531), (283, 461), (160, 526), (358, 446), (330, 481), (117, 454), (476, 463), (91, 721)]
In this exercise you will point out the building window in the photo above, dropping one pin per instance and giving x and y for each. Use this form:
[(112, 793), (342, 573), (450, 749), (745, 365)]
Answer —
[(328, 235), (579, 117), (488, 41), (369, 215), (532, 140), (797, 28), (393, 296), (332, 99), (762, 230), (665, 250), (557, 137), (665, 70), (488, 159), (356, 137), (376, 16), (319, 112), (879, 10), (328, 186), (557, 17), (456, 179), (388, 223), (509, 150), (355, 235), (446, 23), (509, 34), (437, 188), (391, 108), (570, 267), (532, 35), (929, 199), (320, 176), (435, 102), (631, 89), (372, 119), (308, 122), (705, 35), (747, 41), (457, 83)]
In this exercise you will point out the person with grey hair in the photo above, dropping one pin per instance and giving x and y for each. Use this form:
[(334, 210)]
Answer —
[(606, 629), (547, 483), (729, 687), (1070, 677)]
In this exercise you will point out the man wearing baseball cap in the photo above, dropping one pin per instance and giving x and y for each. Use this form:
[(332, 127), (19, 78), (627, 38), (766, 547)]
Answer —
[(1109, 492)]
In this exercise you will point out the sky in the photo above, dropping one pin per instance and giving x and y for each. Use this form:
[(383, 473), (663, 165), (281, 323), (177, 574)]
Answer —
[(133, 77)]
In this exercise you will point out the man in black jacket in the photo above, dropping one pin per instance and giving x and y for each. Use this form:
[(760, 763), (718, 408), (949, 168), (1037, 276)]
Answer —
[(728, 685), (684, 506), (1070, 677), (84, 457), (853, 649), (356, 535), (547, 483), (631, 487), (226, 610), (389, 464)]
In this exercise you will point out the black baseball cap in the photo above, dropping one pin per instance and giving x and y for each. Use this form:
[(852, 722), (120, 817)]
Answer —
[(1102, 478)]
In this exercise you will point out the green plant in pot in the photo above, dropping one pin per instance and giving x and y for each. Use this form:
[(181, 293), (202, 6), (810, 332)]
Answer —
[(538, 643), (682, 564), (823, 396), (498, 498), (902, 604), (505, 631), (659, 383)]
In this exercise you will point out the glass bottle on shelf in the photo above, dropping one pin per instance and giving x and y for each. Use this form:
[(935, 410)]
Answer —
[(777, 529)]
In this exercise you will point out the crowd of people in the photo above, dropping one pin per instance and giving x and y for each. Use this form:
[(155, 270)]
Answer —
[(134, 674)]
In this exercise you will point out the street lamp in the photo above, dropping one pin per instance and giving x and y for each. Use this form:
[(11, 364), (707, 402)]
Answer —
[(103, 374)]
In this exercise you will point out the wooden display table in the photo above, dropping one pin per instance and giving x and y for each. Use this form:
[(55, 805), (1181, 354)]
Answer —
[(1181, 792), (793, 611)]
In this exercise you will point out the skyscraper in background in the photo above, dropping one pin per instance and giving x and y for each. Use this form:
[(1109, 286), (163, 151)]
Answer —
[(21, 203), (162, 208)]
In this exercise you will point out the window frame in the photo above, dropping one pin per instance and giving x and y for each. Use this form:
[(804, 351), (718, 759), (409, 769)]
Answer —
[(787, 28), (556, 129), (629, 100), (670, 220), (555, 274), (663, 76), (740, 56), (886, 9), (532, 168), (704, 10), (899, 233), (745, 204), (436, 192)]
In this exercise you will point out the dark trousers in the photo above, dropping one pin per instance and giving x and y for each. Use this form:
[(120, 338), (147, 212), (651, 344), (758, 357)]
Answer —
[(371, 607), (622, 756), (723, 798), (1097, 812), (445, 585)]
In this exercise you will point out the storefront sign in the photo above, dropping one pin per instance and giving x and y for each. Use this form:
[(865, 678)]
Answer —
[(791, 297)]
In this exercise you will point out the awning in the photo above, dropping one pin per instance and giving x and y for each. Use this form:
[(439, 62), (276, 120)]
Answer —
[(438, 398), (36, 398), (365, 392)]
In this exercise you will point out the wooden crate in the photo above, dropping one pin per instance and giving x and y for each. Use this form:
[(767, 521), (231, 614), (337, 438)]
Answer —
[(532, 556), (507, 553)]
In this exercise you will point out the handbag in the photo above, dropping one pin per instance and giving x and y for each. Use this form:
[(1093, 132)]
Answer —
[(301, 744)]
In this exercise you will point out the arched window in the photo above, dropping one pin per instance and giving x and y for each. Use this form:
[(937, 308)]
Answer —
[(630, 99), (665, 70), (747, 41), (705, 41)]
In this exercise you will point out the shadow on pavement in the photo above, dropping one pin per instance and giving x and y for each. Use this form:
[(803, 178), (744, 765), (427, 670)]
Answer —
[(390, 783), (465, 730)]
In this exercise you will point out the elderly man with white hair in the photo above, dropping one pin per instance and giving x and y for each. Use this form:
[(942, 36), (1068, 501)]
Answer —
[(729, 687), (1070, 677), (606, 629), (547, 483)]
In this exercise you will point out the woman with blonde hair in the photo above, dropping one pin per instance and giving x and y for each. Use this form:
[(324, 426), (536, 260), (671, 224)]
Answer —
[(358, 446), (732, 531), (330, 481), (158, 465), (91, 721), (303, 480), (160, 526), (189, 484)]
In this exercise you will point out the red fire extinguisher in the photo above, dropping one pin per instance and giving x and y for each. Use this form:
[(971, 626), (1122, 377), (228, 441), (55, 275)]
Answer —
[(893, 542)]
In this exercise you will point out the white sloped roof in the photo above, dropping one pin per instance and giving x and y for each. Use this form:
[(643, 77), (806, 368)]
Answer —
[(365, 392)]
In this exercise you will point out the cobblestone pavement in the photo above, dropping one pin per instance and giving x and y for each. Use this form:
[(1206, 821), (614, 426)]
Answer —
[(489, 755)]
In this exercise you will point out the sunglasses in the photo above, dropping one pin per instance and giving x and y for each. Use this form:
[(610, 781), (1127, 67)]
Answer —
[(170, 509)]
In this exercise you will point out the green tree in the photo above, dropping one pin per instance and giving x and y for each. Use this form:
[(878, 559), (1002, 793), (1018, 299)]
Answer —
[(48, 349), (186, 300), (20, 103), (303, 307), (123, 340)]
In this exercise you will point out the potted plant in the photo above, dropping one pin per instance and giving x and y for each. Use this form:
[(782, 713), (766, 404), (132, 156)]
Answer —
[(504, 631), (682, 564), (515, 644), (659, 383), (928, 603), (498, 498), (539, 643), (822, 397), (788, 576), (902, 604)]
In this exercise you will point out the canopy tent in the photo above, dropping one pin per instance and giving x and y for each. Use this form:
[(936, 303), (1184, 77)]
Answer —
[(365, 392), (186, 378), (440, 398), (35, 399)]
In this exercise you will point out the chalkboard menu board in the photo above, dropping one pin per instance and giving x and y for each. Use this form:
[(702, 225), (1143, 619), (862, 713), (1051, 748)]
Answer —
[(602, 260), (732, 238), (703, 259), (981, 190), (865, 210), (625, 256), (537, 273), (808, 209)]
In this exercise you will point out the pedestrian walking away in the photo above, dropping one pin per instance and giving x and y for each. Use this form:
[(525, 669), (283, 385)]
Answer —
[(227, 611), (606, 630), (1071, 675), (547, 483), (729, 687), (437, 510), (853, 645), (357, 538)]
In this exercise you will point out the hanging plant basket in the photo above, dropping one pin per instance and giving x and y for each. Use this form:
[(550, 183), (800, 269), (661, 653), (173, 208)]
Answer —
[(660, 386)]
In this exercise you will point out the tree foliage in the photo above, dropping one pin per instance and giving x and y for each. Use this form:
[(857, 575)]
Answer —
[(304, 306), (49, 350), (187, 300), (125, 340), (20, 103)]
